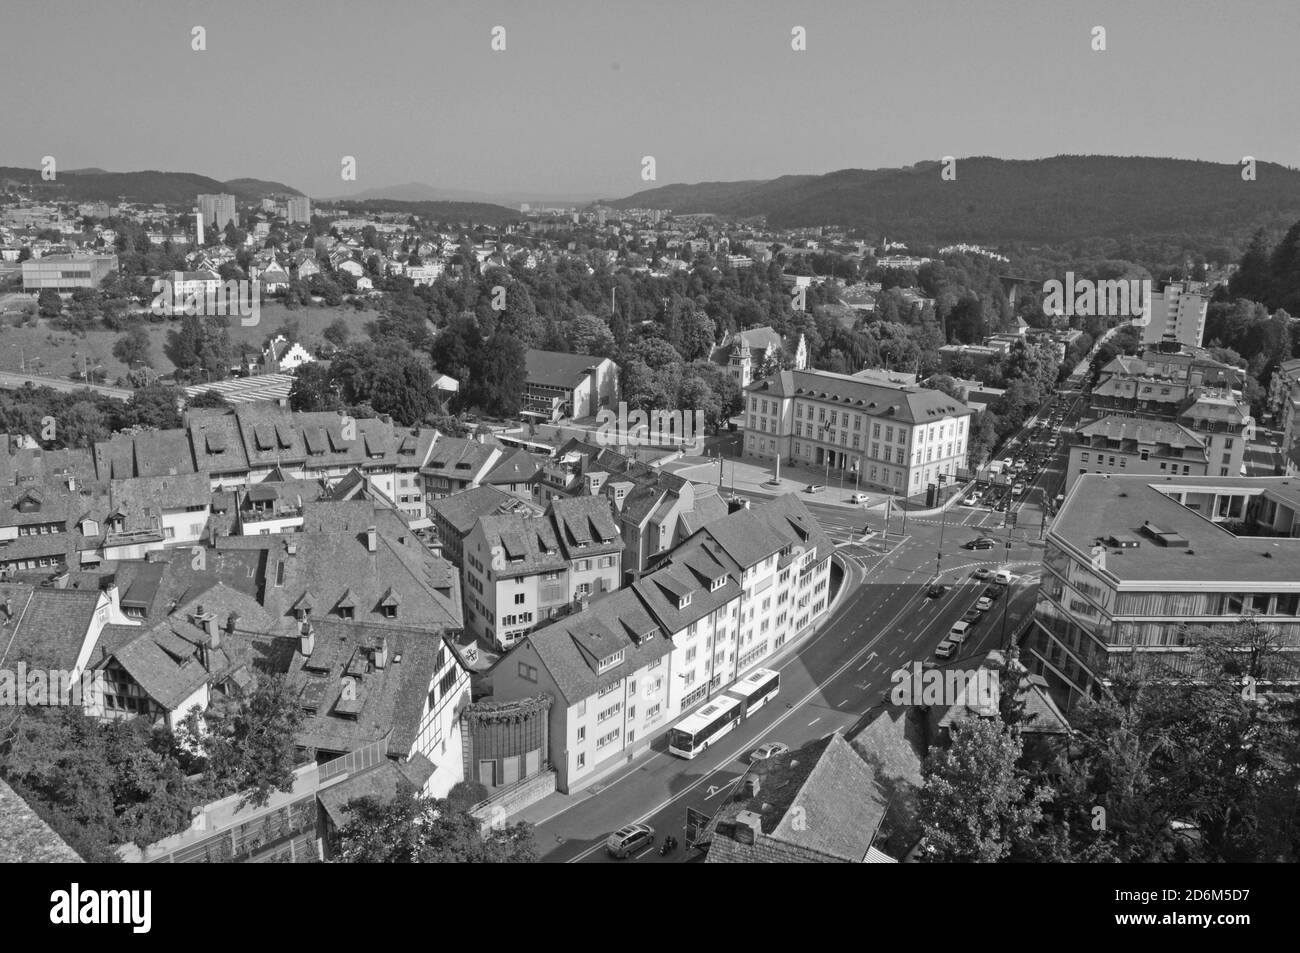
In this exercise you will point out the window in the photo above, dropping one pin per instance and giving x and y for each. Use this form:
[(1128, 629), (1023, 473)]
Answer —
[(527, 672), (582, 733), (519, 598), (582, 760)]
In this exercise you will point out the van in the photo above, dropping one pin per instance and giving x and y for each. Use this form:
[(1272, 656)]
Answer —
[(861, 498), (628, 840), (957, 634), (1003, 577)]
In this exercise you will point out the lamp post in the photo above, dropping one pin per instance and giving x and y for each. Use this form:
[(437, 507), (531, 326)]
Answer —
[(943, 523)]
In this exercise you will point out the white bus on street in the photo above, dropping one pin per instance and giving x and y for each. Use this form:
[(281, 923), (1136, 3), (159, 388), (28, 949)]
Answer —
[(755, 689), (701, 728)]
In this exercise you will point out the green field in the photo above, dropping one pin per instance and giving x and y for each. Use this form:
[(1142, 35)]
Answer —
[(52, 353)]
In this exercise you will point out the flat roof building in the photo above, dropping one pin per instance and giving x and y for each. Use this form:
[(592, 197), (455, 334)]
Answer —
[(67, 272)]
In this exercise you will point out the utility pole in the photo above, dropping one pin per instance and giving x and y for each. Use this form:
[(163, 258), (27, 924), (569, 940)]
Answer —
[(943, 523)]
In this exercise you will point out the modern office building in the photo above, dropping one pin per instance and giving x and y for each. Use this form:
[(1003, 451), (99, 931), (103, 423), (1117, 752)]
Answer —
[(895, 437), (1135, 567), (218, 211), (67, 272)]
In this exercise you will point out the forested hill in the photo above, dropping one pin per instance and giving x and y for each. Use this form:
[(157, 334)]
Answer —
[(1049, 200), (170, 188)]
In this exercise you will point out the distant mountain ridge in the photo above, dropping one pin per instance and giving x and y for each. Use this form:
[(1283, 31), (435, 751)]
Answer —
[(1061, 198), (171, 188), (423, 192)]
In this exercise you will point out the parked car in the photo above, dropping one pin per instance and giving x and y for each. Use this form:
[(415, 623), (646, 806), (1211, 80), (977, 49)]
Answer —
[(769, 750), (861, 498), (945, 649), (813, 488), (629, 840)]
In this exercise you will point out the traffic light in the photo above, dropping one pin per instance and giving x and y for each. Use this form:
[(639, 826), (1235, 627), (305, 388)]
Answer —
[(931, 495)]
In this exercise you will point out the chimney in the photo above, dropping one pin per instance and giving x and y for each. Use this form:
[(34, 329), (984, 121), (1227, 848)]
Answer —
[(60, 580), (306, 639), (381, 653), (231, 622), (372, 539), (214, 633), (748, 827)]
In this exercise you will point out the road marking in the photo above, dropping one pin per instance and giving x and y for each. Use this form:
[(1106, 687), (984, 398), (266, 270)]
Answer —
[(716, 789)]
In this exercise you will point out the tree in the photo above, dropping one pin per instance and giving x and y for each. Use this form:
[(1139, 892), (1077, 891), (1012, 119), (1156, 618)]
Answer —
[(134, 347), (414, 829), (976, 804), (338, 332), (589, 335), (211, 399), (314, 389), (498, 376), (248, 747), (155, 407), (49, 303)]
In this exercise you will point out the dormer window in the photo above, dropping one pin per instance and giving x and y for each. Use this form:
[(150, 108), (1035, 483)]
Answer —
[(611, 660), (718, 584), (684, 600)]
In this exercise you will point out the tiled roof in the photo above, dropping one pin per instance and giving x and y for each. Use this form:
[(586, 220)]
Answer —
[(49, 626), (557, 369), (148, 454), (463, 509), (388, 700), (840, 807), (907, 404), (25, 838), (572, 647), (752, 535)]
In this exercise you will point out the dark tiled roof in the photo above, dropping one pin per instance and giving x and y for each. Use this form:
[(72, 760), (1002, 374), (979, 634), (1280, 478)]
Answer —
[(817, 804), (461, 510), (557, 369), (388, 701), (25, 838)]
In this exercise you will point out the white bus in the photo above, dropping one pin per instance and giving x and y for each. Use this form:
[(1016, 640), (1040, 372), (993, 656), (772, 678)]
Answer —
[(701, 728), (755, 689)]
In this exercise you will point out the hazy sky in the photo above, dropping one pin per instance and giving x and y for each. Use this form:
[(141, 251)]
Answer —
[(583, 90)]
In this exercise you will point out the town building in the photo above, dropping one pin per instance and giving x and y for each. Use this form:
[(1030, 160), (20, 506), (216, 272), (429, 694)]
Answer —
[(895, 438), (1136, 445), (65, 273), (521, 571), (297, 210), (757, 352), (559, 385)]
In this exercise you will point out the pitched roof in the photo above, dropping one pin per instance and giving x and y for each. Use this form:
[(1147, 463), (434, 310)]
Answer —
[(557, 369), (573, 647), (839, 809), (463, 509), (25, 838), (905, 403), (381, 702)]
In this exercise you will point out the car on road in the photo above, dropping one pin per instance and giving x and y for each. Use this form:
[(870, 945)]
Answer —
[(1018, 490), (629, 840), (945, 649), (1001, 507), (813, 488), (935, 591), (860, 498), (958, 632), (983, 603), (769, 750), (971, 616), (993, 592), (1003, 577), (982, 542), (981, 573), (972, 500)]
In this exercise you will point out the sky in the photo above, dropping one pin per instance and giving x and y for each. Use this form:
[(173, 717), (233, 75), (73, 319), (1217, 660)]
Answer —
[(583, 90)]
